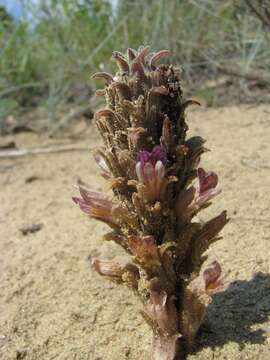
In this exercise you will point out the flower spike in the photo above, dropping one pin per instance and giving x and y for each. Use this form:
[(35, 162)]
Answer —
[(158, 188)]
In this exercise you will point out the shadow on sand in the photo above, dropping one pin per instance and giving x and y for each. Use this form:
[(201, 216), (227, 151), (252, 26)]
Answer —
[(233, 313)]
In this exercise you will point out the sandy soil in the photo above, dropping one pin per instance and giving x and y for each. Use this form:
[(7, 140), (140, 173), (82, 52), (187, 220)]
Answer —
[(53, 306)]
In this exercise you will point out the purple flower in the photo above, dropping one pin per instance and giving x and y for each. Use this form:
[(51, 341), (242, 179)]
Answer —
[(157, 154), (207, 186), (207, 180), (150, 169)]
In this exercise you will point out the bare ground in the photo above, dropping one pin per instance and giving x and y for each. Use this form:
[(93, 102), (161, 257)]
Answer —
[(53, 306)]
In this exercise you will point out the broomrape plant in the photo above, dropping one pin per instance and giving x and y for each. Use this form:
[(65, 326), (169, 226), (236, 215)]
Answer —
[(150, 166)]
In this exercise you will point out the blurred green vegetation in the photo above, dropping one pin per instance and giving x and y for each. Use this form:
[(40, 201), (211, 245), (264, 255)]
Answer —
[(46, 59)]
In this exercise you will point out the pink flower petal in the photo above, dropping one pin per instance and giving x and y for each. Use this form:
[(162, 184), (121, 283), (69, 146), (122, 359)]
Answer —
[(159, 170), (149, 173), (207, 180), (103, 166), (139, 172), (207, 196), (211, 274)]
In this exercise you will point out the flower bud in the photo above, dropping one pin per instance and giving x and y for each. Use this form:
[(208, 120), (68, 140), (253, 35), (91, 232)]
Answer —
[(98, 206)]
